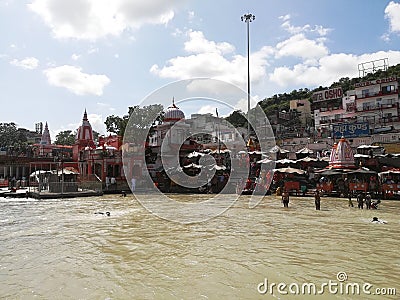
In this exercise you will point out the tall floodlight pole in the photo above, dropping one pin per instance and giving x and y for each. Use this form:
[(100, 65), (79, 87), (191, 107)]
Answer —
[(248, 18)]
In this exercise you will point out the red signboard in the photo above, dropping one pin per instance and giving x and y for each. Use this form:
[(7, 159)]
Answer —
[(334, 93)]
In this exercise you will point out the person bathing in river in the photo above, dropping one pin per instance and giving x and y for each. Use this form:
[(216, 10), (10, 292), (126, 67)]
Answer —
[(285, 198), (350, 202), (368, 201), (360, 200), (317, 200), (377, 221)]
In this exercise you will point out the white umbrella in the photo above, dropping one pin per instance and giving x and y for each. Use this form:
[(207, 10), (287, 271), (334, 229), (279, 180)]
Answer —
[(305, 150), (38, 172), (218, 168), (285, 161), (195, 154), (307, 159), (265, 161), (290, 170), (192, 166)]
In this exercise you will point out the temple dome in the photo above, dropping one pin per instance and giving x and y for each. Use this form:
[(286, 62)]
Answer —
[(173, 113), (342, 155)]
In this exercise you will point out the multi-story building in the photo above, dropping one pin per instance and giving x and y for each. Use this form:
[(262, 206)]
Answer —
[(377, 103), (372, 106), (303, 107)]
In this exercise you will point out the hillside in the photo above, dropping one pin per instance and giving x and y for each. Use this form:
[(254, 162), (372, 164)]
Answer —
[(280, 102)]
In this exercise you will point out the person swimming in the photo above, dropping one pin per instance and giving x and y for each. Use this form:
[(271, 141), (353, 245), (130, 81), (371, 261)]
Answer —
[(375, 204), (107, 213), (377, 221)]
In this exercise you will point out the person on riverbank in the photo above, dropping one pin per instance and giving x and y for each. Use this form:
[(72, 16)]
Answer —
[(285, 198), (317, 200)]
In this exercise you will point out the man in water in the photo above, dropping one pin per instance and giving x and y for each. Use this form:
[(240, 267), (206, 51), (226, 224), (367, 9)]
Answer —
[(377, 221), (101, 213), (374, 204), (317, 200), (368, 201), (360, 201), (285, 198), (350, 202)]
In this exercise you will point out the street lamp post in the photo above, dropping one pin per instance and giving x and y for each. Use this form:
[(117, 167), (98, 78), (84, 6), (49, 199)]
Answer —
[(248, 18)]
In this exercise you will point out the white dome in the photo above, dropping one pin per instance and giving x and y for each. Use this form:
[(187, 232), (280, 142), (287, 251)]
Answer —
[(173, 113)]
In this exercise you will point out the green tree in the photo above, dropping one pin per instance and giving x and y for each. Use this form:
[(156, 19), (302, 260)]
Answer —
[(95, 135), (142, 118), (65, 137), (116, 124), (237, 119), (9, 135)]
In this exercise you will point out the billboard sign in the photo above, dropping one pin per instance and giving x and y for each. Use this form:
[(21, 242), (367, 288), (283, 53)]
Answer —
[(374, 82), (330, 94), (351, 130)]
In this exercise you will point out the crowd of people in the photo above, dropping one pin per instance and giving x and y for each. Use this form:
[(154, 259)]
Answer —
[(362, 198)]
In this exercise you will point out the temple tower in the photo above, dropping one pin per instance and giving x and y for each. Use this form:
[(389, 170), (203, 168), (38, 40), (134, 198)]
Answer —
[(45, 140), (84, 136), (342, 155)]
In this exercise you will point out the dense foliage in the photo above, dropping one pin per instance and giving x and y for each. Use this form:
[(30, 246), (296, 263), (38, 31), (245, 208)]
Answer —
[(139, 119), (65, 137)]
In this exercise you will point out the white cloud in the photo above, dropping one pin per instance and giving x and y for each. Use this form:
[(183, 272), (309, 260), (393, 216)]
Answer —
[(191, 15), (309, 61), (209, 59), (299, 46), (93, 19), (75, 56), (285, 17), (207, 109), (330, 68), (392, 13), (29, 63), (93, 50), (73, 79), (105, 106), (199, 44), (242, 104), (286, 25), (97, 123)]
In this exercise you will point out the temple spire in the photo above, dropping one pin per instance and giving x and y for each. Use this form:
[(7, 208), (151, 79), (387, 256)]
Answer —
[(173, 102), (45, 140)]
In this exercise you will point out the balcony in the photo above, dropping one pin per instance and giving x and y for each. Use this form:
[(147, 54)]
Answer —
[(325, 109), (378, 107), (340, 120), (381, 120), (374, 94)]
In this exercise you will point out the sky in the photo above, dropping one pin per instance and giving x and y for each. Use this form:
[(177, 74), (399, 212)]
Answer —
[(58, 58)]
